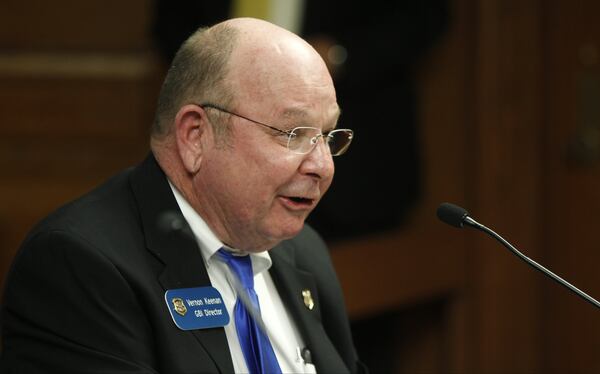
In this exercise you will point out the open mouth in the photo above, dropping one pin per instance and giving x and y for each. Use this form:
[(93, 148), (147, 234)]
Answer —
[(300, 200)]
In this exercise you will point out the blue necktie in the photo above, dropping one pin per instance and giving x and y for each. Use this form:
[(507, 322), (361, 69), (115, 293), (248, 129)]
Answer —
[(258, 352)]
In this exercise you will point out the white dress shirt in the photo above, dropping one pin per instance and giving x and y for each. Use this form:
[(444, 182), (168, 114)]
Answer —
[(282, 332)]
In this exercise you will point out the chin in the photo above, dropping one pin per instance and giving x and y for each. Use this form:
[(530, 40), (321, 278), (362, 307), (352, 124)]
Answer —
[(288, 230)]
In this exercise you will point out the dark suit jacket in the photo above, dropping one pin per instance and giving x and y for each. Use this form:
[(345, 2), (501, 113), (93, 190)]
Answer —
[(86, 291)]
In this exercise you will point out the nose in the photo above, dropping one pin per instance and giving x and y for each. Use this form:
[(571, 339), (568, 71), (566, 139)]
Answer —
[(318, 163)]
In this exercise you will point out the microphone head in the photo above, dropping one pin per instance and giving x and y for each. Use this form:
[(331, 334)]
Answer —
[(452, 214), (170, 222)]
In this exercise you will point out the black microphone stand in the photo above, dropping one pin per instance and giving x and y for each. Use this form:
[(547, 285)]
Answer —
[(472, 223)]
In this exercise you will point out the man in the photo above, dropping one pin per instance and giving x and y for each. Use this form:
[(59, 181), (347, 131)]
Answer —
[(131, 277), (348, 36)]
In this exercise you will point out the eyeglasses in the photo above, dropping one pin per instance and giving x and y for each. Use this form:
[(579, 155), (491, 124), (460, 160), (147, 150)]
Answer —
[(302, 140)]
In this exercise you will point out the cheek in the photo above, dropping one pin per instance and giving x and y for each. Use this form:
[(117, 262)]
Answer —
[(251, 176), (254, 182), (273, 169)]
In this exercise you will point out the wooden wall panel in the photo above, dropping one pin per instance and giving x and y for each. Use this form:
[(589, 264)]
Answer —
[(506, 162), (75, 24), (423, 265), (78, 84), (572, 336), (58, 108)]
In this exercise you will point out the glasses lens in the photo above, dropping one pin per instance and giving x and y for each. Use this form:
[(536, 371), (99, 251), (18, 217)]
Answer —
[(339, 141), (303, 139)]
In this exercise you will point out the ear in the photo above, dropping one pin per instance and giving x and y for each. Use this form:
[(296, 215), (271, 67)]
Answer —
[(191, 124)]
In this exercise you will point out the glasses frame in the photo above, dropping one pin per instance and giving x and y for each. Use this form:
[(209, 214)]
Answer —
[(290, 133)]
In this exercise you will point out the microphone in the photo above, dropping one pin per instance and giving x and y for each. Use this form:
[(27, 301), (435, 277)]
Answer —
[(456, 216), (170, 222)]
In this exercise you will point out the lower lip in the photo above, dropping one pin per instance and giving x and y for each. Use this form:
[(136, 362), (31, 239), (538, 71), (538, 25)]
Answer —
[(295, 205)]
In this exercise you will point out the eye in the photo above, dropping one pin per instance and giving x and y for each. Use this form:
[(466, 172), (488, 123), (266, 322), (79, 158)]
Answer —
[(284, 138), (279, 135)]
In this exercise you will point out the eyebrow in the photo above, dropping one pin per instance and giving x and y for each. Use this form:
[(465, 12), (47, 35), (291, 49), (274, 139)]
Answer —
[(294, 113)]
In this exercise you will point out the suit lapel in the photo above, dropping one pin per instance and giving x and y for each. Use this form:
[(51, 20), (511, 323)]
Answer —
[(291, 282), (176, 249)]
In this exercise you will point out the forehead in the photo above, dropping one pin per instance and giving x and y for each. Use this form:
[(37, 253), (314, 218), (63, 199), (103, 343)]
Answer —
[(282, 75), (288, 100)]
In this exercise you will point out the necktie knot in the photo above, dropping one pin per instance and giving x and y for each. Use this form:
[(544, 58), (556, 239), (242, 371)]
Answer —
[(241, 266)]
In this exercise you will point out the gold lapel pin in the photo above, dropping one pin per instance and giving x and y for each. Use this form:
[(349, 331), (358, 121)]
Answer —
[(308, 300)]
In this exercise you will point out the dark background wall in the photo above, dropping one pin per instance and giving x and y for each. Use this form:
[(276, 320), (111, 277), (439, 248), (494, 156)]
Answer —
[(508, 126)]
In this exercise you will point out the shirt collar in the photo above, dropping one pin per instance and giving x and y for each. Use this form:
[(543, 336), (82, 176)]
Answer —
[(208, 242)]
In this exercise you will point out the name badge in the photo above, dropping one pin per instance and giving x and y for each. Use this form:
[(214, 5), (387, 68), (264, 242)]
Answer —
[(197, 308)]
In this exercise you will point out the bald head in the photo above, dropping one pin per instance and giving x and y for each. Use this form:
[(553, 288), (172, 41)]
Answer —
[(236, 61), (269, 60), (268, 48)]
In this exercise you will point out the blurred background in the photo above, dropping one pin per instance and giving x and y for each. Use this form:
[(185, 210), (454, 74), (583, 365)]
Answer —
[(491, 104)]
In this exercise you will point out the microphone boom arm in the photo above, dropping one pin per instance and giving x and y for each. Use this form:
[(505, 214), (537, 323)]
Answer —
[(471, 222)]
